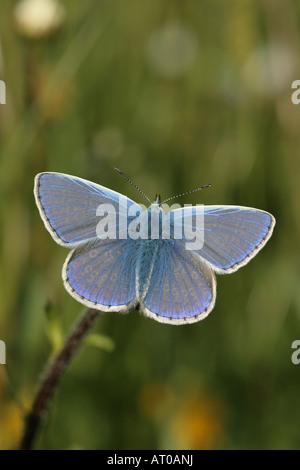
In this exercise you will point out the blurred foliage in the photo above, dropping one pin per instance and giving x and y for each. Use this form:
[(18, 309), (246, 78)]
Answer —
[(176, 94)]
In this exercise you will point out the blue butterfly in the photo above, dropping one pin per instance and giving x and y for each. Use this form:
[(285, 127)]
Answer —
[(157, 276)]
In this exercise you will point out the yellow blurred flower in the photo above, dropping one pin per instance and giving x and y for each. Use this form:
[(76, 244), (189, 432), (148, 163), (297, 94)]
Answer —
[(10, 418), (11, 425), (188, 421), (38, 18), (197, 423)]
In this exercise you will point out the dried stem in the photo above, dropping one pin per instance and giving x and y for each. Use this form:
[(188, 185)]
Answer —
[(52, 375)]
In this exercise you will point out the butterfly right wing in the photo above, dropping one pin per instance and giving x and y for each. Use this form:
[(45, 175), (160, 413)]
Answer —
[(68, 207), (181, 288), (229, 236)]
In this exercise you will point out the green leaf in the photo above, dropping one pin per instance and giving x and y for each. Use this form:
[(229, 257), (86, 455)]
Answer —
[(53, 328), (100, 341)]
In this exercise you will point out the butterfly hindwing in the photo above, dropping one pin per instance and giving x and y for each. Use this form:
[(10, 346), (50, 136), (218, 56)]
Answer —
[(182, 289), (101, 274)]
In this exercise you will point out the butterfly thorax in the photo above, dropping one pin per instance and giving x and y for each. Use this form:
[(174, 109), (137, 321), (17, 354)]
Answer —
[(156, 220)]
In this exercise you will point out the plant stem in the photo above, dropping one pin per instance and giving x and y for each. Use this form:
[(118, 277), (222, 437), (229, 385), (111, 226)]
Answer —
[(52, 375)]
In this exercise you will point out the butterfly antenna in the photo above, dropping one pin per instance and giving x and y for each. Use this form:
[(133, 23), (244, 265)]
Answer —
[(134, 185), (188, 192)]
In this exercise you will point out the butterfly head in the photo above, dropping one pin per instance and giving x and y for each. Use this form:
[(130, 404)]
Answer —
[(156, 204), (157, 200)]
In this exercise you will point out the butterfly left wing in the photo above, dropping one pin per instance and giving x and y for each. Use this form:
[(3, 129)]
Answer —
[(101, 274), (68, 207), (181, 288), (231, 235)]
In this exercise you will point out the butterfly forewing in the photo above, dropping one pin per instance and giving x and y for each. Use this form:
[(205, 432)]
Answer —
[(68, 206), (231, 235)]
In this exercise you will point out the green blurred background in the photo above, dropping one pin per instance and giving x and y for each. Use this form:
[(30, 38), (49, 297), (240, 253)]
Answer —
[(177, 94)]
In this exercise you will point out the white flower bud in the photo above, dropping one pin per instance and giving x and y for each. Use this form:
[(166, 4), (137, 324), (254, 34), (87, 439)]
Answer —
[(38, 18)]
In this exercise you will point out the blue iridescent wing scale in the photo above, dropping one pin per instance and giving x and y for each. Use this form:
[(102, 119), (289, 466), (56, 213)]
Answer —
[(233, 235), (101, 274), (182, 289), (68, 206)]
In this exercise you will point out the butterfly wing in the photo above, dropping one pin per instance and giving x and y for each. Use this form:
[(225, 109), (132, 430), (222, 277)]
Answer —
[(68, 206), (101, 274), (181, 289), (231, 235)]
